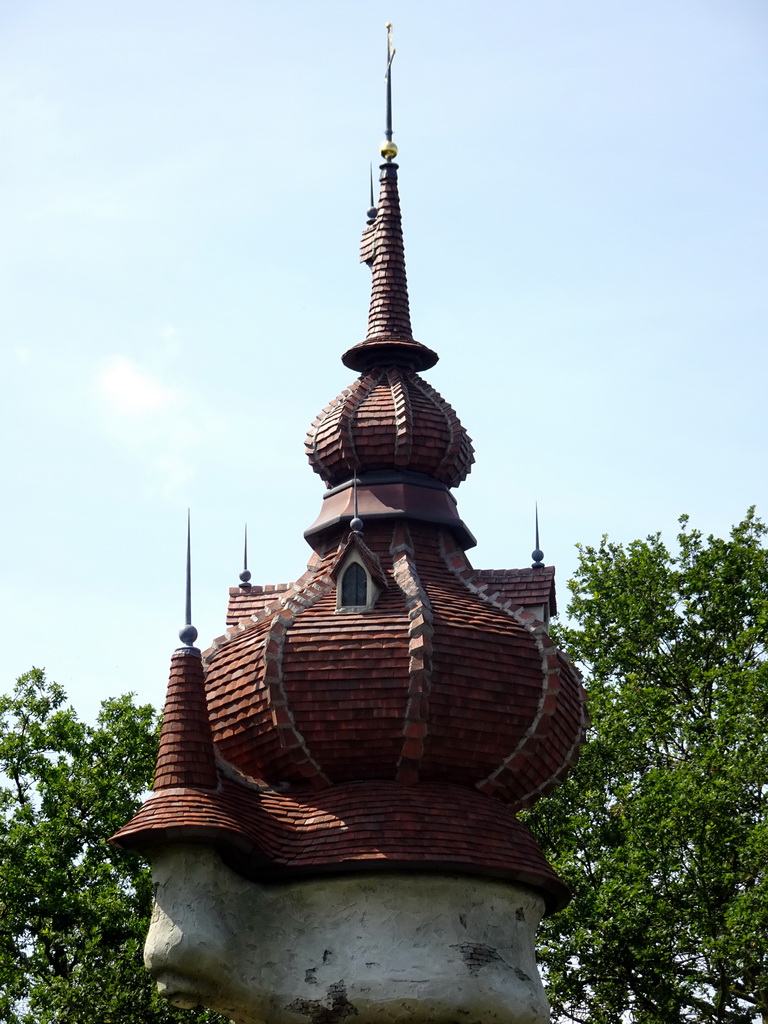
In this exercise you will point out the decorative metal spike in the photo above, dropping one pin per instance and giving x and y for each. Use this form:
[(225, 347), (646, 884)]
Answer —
[(372, 211), (356, 524), (188, 634), (537, 554), (245, 576)]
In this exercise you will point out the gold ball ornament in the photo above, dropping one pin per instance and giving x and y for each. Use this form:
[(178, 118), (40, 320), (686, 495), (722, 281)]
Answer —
[(388, 149)]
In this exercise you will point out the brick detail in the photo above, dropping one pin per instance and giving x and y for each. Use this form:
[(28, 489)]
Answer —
[(403, 418), (253, 602), (368, 243), (420, 650), (524, 587)]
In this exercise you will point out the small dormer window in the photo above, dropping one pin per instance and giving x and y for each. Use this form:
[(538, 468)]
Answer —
[(354, 587)]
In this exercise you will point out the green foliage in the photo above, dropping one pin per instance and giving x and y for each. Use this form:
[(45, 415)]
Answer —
[(661, 830), (74, 910)]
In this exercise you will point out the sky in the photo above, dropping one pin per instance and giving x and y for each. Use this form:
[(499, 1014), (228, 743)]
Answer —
[(583, 185)]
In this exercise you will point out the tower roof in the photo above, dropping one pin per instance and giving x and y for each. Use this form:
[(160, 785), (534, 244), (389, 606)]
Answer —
[(390, 419), (389, 340), (404, 727)]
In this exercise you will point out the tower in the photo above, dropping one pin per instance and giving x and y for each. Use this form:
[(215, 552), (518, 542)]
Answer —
[(332, 828)]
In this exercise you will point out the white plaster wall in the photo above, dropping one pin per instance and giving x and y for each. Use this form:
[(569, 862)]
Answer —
[(383, 948)]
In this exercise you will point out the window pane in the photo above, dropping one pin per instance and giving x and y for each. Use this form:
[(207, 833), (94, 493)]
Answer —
[(354, 586)]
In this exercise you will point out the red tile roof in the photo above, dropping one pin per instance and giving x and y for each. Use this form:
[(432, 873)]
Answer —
[(355, 826), (440, 681), (389, 340), (522, 587), (389, 418), (403, 735), (253, 601), (185, 756)]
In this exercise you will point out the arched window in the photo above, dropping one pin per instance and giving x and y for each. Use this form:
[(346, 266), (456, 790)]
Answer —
[(354, 587)]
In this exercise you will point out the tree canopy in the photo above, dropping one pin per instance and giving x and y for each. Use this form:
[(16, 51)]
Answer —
[(74, 911), (661, 830)]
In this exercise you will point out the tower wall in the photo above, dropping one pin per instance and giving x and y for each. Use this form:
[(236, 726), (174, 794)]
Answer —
[(384, 948)]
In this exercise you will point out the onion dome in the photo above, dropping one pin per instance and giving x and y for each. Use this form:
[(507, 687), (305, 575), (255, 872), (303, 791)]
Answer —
[(430, 679), (390, 418)]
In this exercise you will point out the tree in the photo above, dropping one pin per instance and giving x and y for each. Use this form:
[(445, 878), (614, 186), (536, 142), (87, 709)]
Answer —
[(661, 830), (74, 910)]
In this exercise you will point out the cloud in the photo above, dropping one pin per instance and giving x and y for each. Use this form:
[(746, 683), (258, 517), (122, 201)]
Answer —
[(166, 429), (133, 392)]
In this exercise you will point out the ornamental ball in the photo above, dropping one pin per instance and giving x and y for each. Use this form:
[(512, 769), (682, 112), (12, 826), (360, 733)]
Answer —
[(188, 635)]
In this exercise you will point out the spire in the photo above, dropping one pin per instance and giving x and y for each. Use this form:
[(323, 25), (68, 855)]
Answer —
[(188, 633), (537, 554), (356, 523), (389, 340), (372, 211), (245, 576), (186, 756)]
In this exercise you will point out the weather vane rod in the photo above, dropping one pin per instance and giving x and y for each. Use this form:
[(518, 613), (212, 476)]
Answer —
[(390, 58)]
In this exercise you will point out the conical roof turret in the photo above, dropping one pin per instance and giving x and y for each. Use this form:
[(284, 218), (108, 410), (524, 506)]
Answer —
[(185, 757), (389, 340)]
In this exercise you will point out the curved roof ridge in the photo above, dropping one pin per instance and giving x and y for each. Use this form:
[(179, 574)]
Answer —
[(420, 651), (457, 562)]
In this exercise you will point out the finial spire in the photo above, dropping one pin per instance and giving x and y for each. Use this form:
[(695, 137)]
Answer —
[(245, 576), (356, 524), (388, 148), (188, 634), (537, 554), (372, 211), (390, 339)]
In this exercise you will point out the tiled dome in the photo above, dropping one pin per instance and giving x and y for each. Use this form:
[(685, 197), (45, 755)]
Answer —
[(436, 683), (389, 418)]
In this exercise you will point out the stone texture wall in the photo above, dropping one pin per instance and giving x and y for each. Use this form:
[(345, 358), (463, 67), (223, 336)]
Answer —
[(383, 948)]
